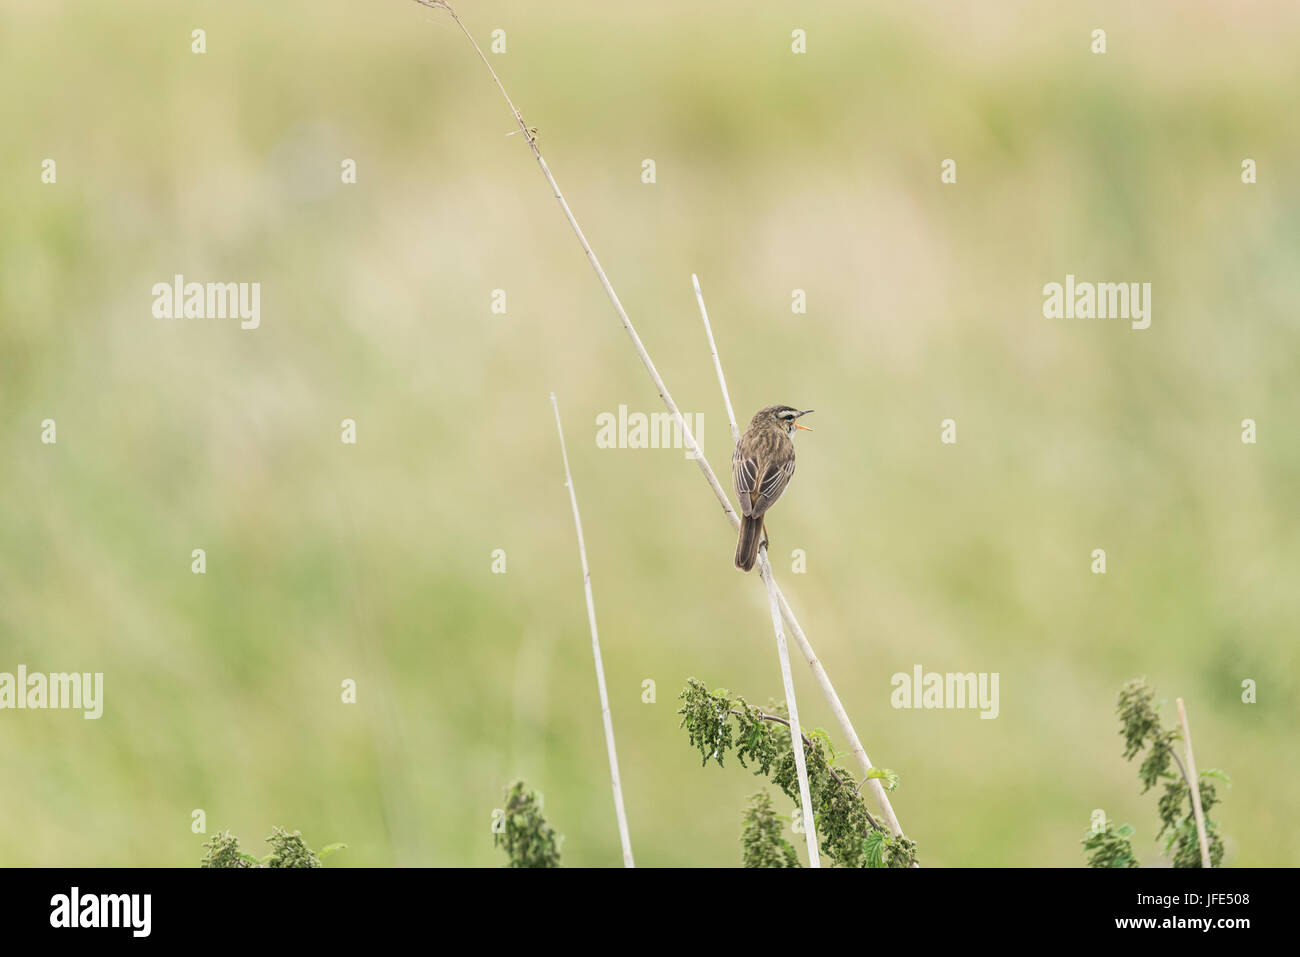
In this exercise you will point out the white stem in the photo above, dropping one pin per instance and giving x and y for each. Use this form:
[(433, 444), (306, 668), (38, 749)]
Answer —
[(823, 680), (1193, 785), (717, 363), (837, 708), (796, 734), (765, 569), (595, 652), (769, 580)]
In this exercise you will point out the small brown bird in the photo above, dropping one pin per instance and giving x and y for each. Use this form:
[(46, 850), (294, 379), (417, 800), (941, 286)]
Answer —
[(761, 469)]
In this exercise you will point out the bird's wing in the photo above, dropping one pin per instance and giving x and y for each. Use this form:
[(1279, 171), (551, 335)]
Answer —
[(744, 475), (771, 484), (758, 486)]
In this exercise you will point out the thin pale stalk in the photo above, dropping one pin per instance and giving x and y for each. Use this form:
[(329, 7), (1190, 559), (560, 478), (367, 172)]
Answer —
[(1193, 786), (823, 680), (769, 580), (595, 652), (688, 438), (796, 735), (837, 708), (717, 363)]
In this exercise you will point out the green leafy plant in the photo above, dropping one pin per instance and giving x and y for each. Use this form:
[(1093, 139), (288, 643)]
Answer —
[(287, 850), (223, 851), (523, 832), (1142, 731), (761, 837), (718, 722), (1110, 846)]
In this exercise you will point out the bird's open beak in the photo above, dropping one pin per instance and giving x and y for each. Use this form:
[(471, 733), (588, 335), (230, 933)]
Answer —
[(804, 427)]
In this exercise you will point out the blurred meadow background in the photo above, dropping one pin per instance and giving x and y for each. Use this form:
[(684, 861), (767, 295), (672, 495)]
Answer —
[(775, 172)]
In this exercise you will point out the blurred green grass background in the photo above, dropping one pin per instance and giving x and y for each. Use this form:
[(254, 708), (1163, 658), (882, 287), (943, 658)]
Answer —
[(775, 172)]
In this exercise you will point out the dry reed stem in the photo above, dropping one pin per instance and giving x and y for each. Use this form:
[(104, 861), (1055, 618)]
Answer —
[(823, 680), (595, 652), (1194, 787)]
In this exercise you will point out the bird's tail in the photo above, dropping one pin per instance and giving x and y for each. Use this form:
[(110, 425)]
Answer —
[(751, 531)]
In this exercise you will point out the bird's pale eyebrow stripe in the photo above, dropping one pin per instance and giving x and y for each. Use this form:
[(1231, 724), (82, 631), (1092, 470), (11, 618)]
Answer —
[(785, 415)]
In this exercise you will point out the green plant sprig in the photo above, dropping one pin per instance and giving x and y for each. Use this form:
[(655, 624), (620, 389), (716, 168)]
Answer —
[(287, 850), (526, 837), (761, 840), (1111, 846), (1141, 729), (718, 722)]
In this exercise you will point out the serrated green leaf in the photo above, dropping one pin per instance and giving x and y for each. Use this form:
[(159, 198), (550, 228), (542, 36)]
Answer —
[(1216, 773), (887, 776)]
